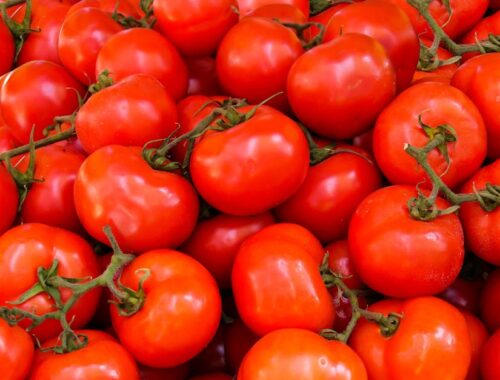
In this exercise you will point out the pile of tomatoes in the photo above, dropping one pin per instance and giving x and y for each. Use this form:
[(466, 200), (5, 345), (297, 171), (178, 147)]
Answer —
[(249, 189)]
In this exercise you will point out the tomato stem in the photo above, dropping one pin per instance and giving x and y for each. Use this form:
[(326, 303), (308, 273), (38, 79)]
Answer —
[(318, 6)]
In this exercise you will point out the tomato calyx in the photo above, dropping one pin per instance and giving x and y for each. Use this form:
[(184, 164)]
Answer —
[(300, 29), (318, 6), (103, 81), (147, 21)]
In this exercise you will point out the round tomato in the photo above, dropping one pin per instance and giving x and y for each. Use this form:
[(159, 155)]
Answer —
[(124, 8), (16, 352), (7, 48), (478, 337), (248, 6), (237, 341), (9, 199), (490, 358), (489, 301)]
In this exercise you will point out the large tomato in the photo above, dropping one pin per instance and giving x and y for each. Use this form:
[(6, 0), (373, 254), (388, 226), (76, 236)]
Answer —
[(9, 199), (489, 301), (478, 337), (490, 358), (181, 310), (431, 343), (329, 85), (280, 11), (145, 208), (7, 48), (248, 6), (16, 352)]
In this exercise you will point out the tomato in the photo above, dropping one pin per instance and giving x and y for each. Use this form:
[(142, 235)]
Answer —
[(145, 208), (215, 242), (29, 246), (144, 51), (490, 358), (442, 73), (481, 31), (432, 342), (233, 172), (323, 18), (247, 70), (464, 294), (340, 262), (9, 199), (238, 340), (176, 373), (479, 79), (16, 352), (389, 25), (181, 297), (283, 12), (388, 246), (108, 6), (7, 48), (489, 301), (248, 6), (102, 359), (212, 358), (330, 193), (328, 85), (7, 141), (82, 35), (300, 354), (27, 102), (437, 104), (202, 76), (478, 337), (149, 114), (195, 28), (274, 281), (482, 228), (212, 376)]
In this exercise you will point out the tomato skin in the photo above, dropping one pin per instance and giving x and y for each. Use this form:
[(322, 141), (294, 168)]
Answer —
[(481, 31), (479, 79), (478, 337), (489, 301), (143, 206), (196, 28), (432, 342), (16, 352), (7, 141), (150, 114), (283, 12), (300, 354), (330, 194), (246, 181), (388, 246), (340, 262), (464, 294), (9, 199), (202, 76), (144, 51), (7, 48), (29, 246), (181, 297), (442, 73), (102, 359), (389, 25), (437, 103), (108, 6), (323, 18), (318, 77), (176, 373), (237, 341), (482, 229), (215, 242), (26, 102), (490, 358), (248, 6)]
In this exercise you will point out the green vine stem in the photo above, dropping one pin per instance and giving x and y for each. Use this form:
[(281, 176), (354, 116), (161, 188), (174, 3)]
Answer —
[(300, 29), (147, 21), (318, 6)]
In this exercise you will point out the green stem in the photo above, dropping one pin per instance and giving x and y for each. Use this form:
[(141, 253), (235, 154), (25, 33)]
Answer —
[(318, 6)]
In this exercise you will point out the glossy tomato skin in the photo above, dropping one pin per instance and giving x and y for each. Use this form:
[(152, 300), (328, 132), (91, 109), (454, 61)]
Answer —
[(478, 337), (388, 246), (215, 242), (238, 340), (108, 6), (490, 359), (181, 297), (16, 352), (329, 84), (489, 301), (253, 166), (482, 228), (281, 11), (150, 114), (29, 246), (300, 354), (323, 18), (145, 208), (479, 79), (438, 104), (7, 48), (144, 51), (432, 342), (9, 199), (196, 28), (102, 359), (33, 94), (340, 262), (389, 25), (330, 194), (7, 141), (248, 6)]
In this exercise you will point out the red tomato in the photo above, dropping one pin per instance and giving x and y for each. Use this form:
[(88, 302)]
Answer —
[(102, 359), (432, 342), (442, 73), (237, 341), (340, 262), (16, 352), (131, 112), (9, 199), (464, 294), (248, 6), (108, 6), (202, 76), (330, 193), (181, 297), (233, 172), (33, 94), (7, 48), (212, 358), (147, 209), (29, 246), (388, 247), (7, 141), (481, 31), (389, 25), (176, 373), (215, 242), (300, 354), (328, 85), (489, 301), (323, 18), (195, 28), (490, 358), (478, 337), (283, 12), (437, 104), (479, 79), (482, 228), (144, 51), (82, 35)]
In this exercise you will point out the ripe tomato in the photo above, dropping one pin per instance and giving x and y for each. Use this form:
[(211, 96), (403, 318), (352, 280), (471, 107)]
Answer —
[(237, 341), (144, 51), (9, 199), (323, 18), (481, 31), (27, 247), (388, 247), (146, 209), (109, 6), (283, 12), (329, 84), (7, 48), (195, 28), (103, 358), (300, 354), (490, 358), (181, 297), (340, 262), (202, 76), (16, 352), (233, 172), (248, 6), (437, 104), (478, 337), (464, 294), (489, 301), (7, 141), (330, 193), (442, 73), (26, 102), (432, 342)]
